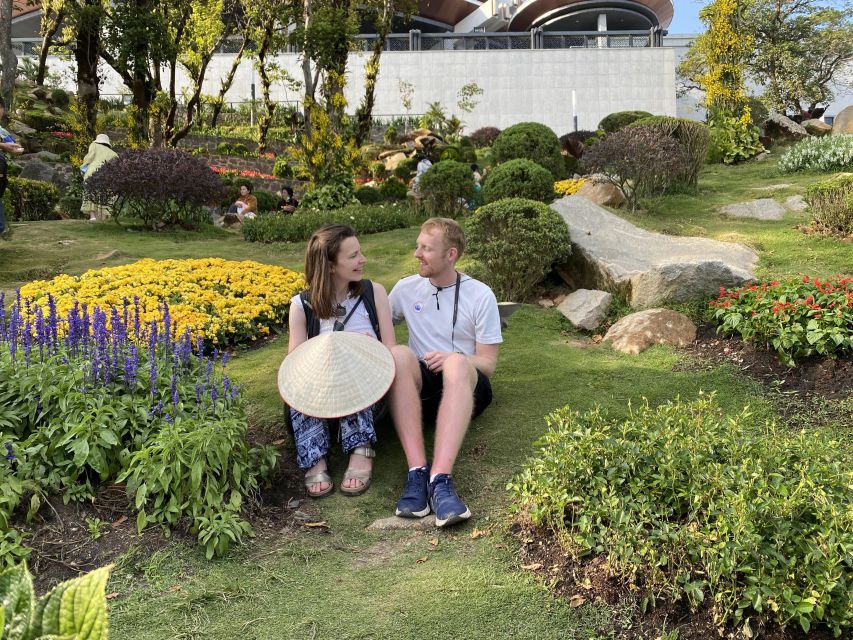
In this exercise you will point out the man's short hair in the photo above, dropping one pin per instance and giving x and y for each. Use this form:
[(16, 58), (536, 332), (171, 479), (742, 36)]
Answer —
[(450, 230)]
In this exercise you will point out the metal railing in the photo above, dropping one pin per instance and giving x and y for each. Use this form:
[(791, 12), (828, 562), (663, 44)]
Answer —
[(475, 41)]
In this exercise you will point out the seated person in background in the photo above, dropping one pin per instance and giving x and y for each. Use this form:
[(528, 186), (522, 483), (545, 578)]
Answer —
[(286, 203), (244, 208)]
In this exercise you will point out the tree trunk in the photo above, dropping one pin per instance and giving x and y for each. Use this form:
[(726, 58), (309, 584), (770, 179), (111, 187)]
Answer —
[(49, 30), (364, 113), (7, 55), (226, 82), (87, 47), (265, 119)]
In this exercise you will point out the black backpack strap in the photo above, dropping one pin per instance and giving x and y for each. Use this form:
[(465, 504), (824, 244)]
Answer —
[(312, 322), (370, 306)]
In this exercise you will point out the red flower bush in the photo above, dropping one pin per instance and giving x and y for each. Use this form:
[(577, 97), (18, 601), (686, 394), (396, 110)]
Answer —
[(798, 317), (243, 173)]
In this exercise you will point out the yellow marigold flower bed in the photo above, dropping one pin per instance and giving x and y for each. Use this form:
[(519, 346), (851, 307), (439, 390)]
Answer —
[(221, 301), (568, 187)]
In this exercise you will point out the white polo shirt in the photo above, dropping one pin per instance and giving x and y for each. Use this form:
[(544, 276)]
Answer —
[(428, 313)]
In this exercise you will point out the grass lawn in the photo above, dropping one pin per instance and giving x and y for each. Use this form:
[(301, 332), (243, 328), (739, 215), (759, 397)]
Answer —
[(348, 582)]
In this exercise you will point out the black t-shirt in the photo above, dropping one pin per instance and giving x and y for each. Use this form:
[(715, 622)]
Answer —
[(287, 202)]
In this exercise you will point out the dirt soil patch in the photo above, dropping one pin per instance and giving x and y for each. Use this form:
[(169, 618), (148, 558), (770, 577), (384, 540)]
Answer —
[(813, 376), (589, 580)]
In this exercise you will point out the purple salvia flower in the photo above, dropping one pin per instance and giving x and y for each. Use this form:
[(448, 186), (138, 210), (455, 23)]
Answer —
[(167, 324), (169, 418), (125, 304), (225, 357), (226, 387), (27, 340), (14, 328), (208, 370), (41, 334), (213, 394), (175, 397), (131, 366), (136, 317), (53, 323), (2, 316)]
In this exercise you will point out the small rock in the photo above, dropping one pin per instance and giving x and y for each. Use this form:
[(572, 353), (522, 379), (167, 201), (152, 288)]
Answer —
[(393, 161), (48, 156), (761, 209), (65, 243), (637, 332), (586, 308), (545, 302), (395, 523), (780, 127), (20, 128), (796, 203)]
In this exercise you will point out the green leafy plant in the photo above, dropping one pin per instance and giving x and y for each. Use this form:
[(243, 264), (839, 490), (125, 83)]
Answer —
[(732, 140), (59, 97), (621, 119), (377, 170), (831, 203), (515, 242), (96, 527), (446, 186), (368, 195), (687, 503), (519, 178), (328, 197), (532, 141), (73, 609), (406, 169), (796, 317), (827, 153), (298, 227), (267, 200)]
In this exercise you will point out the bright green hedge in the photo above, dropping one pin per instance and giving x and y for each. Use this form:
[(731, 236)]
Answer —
[(532, 141), (31, 200)]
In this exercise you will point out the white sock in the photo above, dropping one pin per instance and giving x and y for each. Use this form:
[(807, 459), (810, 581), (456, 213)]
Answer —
[(416, 468)]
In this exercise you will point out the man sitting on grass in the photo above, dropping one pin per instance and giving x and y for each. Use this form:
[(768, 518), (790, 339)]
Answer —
[(454, 332)]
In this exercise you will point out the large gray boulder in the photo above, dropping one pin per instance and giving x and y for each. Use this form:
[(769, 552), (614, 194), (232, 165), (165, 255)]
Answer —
[(843, 122), (644, 267), (761, 209), (34, 168), (779, 127)]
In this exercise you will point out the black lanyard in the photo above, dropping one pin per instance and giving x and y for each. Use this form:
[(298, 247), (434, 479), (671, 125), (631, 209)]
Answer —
[(349, 315), (455, 307)]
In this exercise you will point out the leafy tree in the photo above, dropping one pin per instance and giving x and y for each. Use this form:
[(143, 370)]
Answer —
[(7, 55), (800, 47)]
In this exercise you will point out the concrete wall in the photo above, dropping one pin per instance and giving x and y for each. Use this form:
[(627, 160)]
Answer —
[(531, 85)]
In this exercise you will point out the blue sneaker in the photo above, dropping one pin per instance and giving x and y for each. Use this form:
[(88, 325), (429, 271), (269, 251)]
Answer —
[(414, 503), (449, 509)]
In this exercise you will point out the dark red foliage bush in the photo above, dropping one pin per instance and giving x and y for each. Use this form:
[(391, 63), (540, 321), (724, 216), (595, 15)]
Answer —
[(574, 143), (484, 136), (640, 162), (159, 186)]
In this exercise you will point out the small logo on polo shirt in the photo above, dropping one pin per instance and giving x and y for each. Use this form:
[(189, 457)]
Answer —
[(419, 306)]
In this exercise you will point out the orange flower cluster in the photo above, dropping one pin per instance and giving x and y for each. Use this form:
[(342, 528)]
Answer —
[(244, 173)]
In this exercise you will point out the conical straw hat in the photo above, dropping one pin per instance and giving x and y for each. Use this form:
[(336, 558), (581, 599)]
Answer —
[(336, 374)]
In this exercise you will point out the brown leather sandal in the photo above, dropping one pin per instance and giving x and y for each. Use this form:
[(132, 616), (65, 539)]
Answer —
[(362, 476)]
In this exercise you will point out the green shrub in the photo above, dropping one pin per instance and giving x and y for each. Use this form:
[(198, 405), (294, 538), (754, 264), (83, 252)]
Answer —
[(532, 141), (368, 195), (406, 169), (732, 140), (59, 98), (393, 189), (638, 161), (233, 149), (328, 197), (831, 203), (31, 200), (44, 120), (694, 137), (689, 503), (377, 170), (519, 178), (267, 200), (515, 242), (450, 153), (298, 227), (796, 317), (446, 186), (827, 153), (620, 120), (282, 168)]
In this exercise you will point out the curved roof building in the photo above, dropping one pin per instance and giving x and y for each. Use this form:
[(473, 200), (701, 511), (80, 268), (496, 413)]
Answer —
[(552, 15)]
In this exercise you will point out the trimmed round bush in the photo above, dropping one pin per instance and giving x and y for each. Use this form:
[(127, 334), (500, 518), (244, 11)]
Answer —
[(31, 200), (59, 97), (621, 119), (282, 169), (393, 189), (159, 186), (693, 135), (533, 141), (406, 169), (446, 186), (266, 200), (368, 195), (484, 137), (519, 178), (831, 203), (515, 242)]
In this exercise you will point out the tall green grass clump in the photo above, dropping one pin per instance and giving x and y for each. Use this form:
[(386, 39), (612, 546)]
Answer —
[(695, 505)]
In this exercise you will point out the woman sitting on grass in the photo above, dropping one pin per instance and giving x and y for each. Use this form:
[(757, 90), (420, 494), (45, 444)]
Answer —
[(244, 208), (335, 300)]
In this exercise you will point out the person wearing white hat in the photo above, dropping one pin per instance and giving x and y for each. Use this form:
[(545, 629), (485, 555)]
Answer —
[(100, 152), (337, 299), (454, 332)]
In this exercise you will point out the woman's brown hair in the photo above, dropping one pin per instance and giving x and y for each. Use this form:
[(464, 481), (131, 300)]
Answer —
[(320, 256)]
